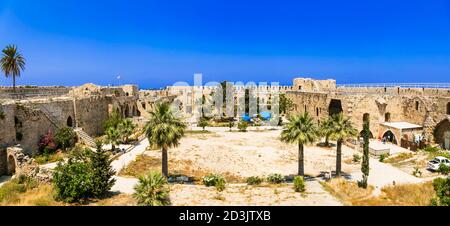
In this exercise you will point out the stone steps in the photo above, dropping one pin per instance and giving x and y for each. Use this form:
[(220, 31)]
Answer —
[(84, 137)]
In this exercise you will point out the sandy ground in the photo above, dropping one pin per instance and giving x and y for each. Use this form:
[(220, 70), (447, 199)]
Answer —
[(244, 195), (250, 154)]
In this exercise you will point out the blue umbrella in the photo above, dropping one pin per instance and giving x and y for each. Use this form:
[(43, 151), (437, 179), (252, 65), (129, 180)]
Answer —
[(266, 115), (246, 118)]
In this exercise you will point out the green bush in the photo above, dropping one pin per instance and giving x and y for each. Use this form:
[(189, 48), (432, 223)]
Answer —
[(356, 158), (65, 138), (85, 175), (431, 149), (382, 157), (443, 169), (255, 180), (275, 178), (203, 123), (152, 190), (215, 180), (242, 126), (299, 184), (442, 188)]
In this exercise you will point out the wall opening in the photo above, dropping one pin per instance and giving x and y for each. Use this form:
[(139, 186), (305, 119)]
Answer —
[(448, 108), (317, 112), (335, 107), (11, 164), (417, 105), (389, 136), (442, 134), (366, 117), (387, 117), (69, 122)]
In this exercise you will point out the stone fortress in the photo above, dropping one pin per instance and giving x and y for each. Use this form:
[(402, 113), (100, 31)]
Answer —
[(408, 115)]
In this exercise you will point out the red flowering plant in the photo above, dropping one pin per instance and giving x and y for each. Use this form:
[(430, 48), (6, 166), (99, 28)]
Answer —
[(47, 143)]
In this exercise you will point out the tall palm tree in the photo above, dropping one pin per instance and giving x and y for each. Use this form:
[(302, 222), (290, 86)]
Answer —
[(300, 130), (165, 131), (12, 63), (113, 137), (325, 129), (342, 129)]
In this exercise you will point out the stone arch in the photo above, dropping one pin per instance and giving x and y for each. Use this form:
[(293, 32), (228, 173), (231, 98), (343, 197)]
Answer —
[(389, 136), (335, 107), (127, 111), (442, 133), (69, 121), (134, 110), (10, 165)]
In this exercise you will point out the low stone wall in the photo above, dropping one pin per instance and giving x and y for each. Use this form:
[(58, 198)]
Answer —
[(17, 163)]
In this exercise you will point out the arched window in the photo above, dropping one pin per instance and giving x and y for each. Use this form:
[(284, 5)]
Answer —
[(366, 117), (417, 105)]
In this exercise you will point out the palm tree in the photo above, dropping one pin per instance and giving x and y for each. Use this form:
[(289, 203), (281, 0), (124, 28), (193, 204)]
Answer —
[(12, 63), (151, 190), (126, 128), (300, 130), (113, 137), (342, 128), (165, 131), (325, 129)]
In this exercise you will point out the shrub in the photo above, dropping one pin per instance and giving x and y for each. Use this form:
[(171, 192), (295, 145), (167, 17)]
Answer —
[(382, 157), (47, 144), (152, 190), (442, 188), (417, 172), (255, 180), (299, 184), (356, 158), (431, 149), (275, 178), (215, 180), (443, 169), (242, 126), (65, 138), (85, 175), (73, 181)]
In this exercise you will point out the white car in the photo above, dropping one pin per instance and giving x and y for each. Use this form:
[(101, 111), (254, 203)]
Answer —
[(436, 162)]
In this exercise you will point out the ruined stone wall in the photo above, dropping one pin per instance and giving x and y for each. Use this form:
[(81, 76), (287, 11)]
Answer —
[(33, 91), (91, 113), (312, 85)]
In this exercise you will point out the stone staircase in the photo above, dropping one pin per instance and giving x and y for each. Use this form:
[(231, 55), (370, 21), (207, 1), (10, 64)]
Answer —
[(84, 137)]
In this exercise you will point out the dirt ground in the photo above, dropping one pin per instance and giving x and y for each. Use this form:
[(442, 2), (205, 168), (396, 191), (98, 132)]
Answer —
[(249, 154)]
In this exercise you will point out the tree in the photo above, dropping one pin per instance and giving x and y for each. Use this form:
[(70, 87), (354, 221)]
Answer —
[(442, 188), (365, 161), (151, 190), (326, 130), (12, 63), (126, 128), (203, 123), (102, 171), (113, 137), (300, 130), (286, 104), (47, 143), (65, 137), (113, 121), (242, 126), (164, 131), (342, 129)]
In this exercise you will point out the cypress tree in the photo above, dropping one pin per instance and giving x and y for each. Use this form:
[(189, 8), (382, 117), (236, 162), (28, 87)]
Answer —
[(365, 160)]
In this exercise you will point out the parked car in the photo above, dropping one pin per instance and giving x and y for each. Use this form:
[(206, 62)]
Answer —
[(436, 162)]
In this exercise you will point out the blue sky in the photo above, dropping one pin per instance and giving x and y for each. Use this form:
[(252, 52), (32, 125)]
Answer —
[(157, 43)]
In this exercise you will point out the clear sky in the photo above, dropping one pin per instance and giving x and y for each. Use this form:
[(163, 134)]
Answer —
[(156, 43)]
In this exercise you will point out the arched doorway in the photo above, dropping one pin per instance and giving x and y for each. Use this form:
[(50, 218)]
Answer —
[(366, 117), (69, 122), (389, 136), (442, 134), (134, 110), (335, 107), (11, 165)]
